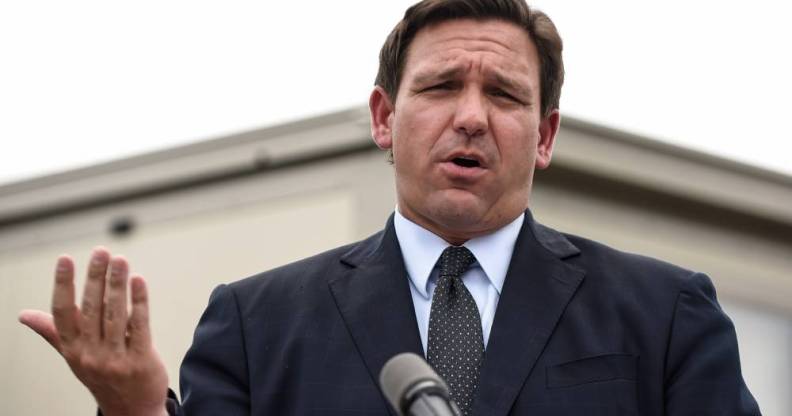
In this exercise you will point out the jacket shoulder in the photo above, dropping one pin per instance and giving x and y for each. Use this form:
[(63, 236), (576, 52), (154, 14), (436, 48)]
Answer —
[(605, 262)]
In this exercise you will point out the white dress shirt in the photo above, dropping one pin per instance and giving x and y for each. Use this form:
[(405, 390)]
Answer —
[(484, 279)]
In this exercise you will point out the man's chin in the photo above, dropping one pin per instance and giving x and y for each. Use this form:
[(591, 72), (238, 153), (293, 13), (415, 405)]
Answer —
[(465, 214), (459, 214)]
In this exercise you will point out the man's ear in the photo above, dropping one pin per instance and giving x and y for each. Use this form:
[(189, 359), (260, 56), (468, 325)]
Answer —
[(548, 128), (381, 109)]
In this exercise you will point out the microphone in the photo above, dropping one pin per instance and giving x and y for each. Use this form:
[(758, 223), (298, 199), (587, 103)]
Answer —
[(414, 389)]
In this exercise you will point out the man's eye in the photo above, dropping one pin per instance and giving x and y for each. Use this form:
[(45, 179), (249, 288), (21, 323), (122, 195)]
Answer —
[(441, 86), (503, 94)]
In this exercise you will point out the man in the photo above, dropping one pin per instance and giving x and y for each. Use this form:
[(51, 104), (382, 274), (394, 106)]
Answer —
[(519, 318)]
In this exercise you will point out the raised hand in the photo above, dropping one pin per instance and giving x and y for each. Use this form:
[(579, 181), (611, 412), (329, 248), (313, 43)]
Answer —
[(108, 348)]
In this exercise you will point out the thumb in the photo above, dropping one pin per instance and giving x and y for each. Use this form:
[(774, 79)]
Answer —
[(42, 324)]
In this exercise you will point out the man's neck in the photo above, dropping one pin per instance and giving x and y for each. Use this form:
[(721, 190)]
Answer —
[(452, 236)]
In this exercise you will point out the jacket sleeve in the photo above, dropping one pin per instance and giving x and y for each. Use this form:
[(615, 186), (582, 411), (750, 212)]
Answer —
[(703, 376), (214, 374)]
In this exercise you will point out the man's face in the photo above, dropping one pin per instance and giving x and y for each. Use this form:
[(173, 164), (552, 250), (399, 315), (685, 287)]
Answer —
[(466, 129)]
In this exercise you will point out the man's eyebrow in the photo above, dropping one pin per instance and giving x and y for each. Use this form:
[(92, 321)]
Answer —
[(431, 75), (512, 84)]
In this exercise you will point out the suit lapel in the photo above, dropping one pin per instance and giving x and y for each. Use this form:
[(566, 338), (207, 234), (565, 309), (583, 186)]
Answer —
[(537, 288), (375, 302)]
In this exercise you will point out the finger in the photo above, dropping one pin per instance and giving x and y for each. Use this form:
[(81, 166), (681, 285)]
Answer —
[(115, 308), (42, 324), (93, 295), (138, 326), (65, 314)]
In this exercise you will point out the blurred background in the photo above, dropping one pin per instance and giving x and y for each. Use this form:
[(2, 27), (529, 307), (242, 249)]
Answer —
[(193, 136)]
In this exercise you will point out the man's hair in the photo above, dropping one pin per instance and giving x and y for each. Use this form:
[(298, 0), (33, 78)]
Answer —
[(541, 29)]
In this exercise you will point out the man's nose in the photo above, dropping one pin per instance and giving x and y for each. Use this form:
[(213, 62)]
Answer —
[(471, 116)]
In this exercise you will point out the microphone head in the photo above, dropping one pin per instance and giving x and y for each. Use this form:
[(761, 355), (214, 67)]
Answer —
[(406, 374)]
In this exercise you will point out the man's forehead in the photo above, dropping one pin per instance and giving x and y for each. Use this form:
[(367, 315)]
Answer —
[(495, 34), (451, 47)]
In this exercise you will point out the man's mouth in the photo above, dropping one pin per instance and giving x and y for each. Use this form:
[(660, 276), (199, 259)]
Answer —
[(466, 162)]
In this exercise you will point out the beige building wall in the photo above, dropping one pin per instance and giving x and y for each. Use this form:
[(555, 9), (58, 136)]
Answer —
[(194, 217)]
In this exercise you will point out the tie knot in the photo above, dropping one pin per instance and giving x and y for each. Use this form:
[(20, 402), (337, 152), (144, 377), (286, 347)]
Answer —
[(455, 260)]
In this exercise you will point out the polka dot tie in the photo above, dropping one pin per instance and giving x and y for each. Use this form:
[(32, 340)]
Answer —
[(456, 344)]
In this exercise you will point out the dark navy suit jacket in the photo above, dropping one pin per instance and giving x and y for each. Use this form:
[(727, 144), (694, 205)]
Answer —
[(580, 329)]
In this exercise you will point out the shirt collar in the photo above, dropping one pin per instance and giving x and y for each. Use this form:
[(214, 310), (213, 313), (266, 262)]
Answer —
[(421, 249)]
